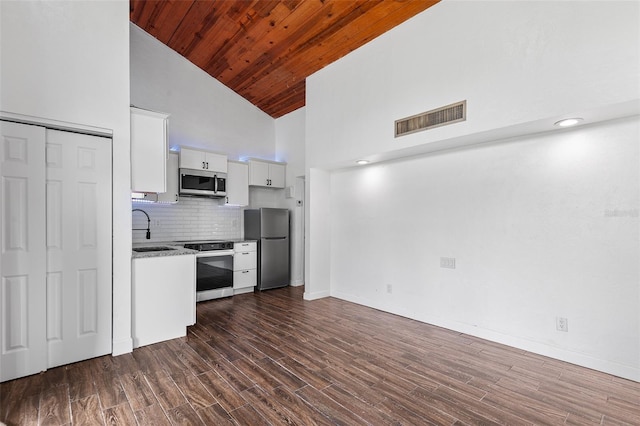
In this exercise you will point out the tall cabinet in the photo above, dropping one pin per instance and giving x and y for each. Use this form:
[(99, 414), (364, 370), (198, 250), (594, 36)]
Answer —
[(148, 151), (237, 184)]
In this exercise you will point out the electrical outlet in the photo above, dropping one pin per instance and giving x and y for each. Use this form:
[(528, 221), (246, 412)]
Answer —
[(562, 324), (448, 262), (389, 288)]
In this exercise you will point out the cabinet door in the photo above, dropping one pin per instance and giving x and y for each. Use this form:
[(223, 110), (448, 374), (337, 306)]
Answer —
[(237, 184), (244, 260), (171, 196), (276, 175), (245, 246), (163, 298), (244, 279), (192, 159), (148, 151), (215, 162), (258, 173)]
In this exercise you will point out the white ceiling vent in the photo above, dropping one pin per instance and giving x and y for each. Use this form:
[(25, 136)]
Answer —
[(449, 114)]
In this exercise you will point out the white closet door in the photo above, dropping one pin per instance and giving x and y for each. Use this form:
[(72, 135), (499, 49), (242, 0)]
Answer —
[(22, 266), (79, 245)]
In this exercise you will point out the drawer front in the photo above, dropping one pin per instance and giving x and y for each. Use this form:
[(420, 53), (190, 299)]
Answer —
[(245, 246), (244, 260), (243, 279)]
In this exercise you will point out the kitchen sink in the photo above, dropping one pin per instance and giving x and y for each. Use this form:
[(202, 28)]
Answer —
[(146, 249)]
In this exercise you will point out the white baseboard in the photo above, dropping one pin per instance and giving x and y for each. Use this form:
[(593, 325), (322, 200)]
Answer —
[(581, 359), (122, 346), (316, 295)]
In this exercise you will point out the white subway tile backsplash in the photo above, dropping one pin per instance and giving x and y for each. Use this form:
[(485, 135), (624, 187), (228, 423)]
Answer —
[(190, 219)]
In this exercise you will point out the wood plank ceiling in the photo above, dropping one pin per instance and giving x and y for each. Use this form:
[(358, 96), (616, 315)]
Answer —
[(265, 49)]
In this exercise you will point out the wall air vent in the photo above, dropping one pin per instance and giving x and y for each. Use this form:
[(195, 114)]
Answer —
[(449, 114)]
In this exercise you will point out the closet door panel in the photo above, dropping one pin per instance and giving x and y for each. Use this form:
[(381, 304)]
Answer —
[(23, 349), (80, 250)]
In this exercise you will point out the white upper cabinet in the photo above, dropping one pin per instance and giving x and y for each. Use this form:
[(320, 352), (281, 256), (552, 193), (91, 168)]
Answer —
[(269, 174), (148, 151), (237, 184), (202, 160), (171, 195)]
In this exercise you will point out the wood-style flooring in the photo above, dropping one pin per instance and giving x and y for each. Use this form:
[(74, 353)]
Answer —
[(272, 358)]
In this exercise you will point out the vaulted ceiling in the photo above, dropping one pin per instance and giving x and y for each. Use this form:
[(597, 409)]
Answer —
[(265, 49)]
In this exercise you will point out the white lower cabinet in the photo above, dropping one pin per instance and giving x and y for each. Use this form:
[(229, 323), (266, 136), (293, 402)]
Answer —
[(245, 264), (244, 279), (164, 289)]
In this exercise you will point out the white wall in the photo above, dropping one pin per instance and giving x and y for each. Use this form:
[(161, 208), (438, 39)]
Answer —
[(290, 134), (515, 62), (69, 61), (553, 248), (205, 113), (541, 227)]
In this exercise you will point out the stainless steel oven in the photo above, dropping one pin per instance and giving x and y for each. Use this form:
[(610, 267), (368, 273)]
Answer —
[(214, 269)]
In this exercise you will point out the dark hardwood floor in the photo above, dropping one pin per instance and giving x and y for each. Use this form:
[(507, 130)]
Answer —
[(273, 358)]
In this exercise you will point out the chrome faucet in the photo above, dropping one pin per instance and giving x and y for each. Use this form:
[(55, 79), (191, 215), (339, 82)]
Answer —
[(148, 223)]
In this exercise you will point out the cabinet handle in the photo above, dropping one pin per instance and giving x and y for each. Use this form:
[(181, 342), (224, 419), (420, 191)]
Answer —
[(203, 164), (207, 165), (245, 253), (245, 272), (227, 200)]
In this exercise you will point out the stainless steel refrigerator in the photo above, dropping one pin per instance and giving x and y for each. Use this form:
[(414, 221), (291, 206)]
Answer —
[(270, 227)]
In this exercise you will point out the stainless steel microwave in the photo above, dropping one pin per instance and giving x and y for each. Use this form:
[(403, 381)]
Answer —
[(203, 183)]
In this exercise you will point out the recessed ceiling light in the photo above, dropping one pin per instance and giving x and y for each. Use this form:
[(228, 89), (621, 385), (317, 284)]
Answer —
[(362, 162), (568, 122)]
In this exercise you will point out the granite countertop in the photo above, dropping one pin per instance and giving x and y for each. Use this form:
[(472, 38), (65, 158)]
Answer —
[(179, 250)]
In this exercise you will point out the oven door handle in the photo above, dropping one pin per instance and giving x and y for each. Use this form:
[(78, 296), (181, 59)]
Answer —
[(215, 253)]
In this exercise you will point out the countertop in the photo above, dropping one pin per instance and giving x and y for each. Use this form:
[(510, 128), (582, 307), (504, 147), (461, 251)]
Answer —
[(179, 249)]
